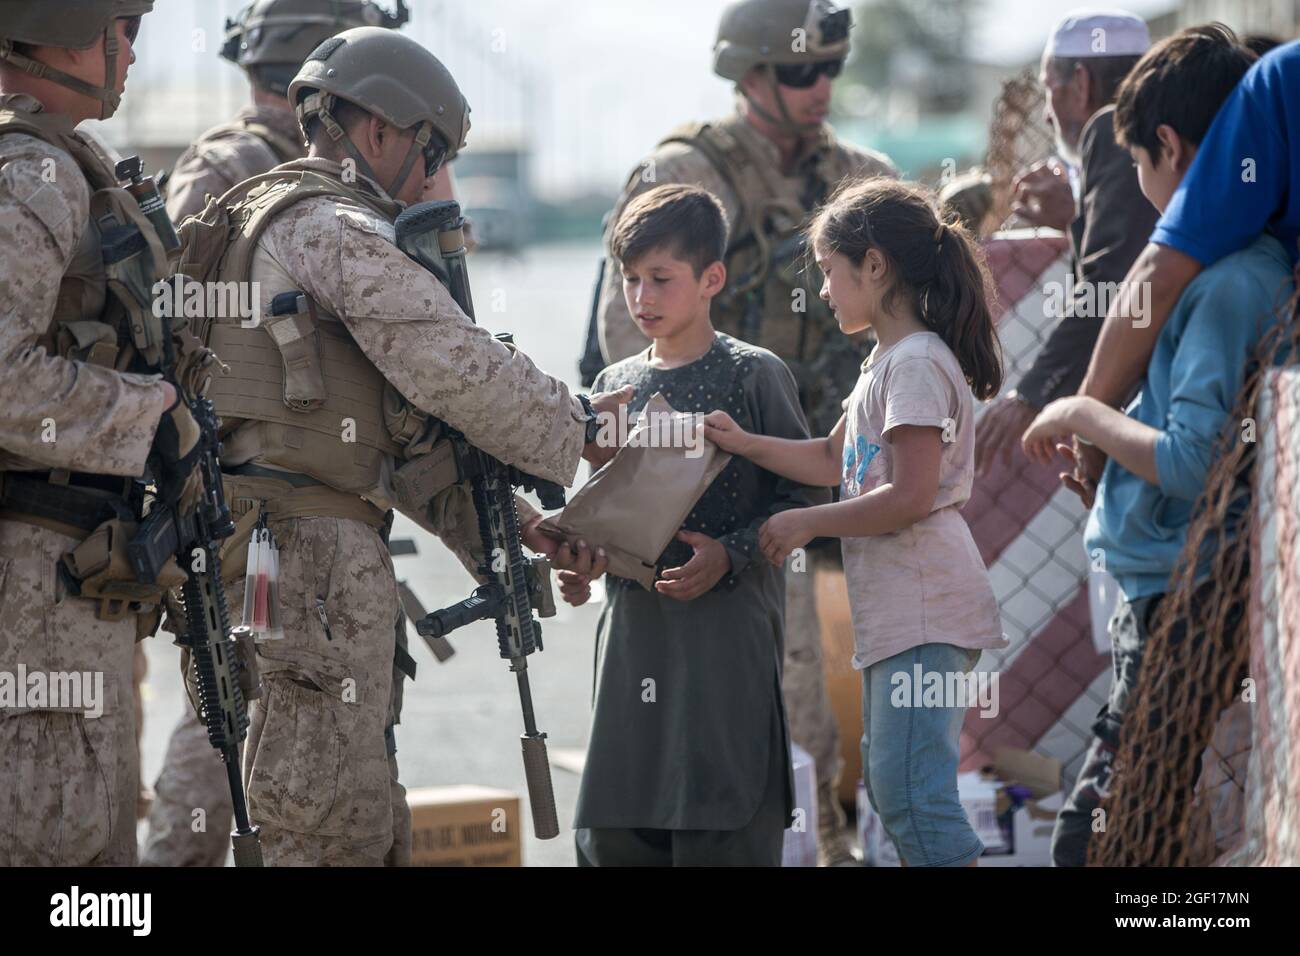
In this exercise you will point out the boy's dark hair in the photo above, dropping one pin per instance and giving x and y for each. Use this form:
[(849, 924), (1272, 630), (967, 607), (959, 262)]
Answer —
[(686, 221), (1260, 43), (935, 265), (1181, 81)]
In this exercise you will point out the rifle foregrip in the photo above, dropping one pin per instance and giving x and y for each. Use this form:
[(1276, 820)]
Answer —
[(541, 795)]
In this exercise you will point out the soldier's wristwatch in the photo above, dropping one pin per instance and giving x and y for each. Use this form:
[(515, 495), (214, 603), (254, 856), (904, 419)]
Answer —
[(592, 423)]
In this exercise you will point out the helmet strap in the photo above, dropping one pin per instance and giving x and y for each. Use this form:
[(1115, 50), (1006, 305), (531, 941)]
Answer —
[(107, 94), (318, 104), (416, 149), (784, 123), (111, 51)]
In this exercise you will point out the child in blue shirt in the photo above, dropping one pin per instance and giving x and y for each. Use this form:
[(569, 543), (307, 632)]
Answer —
[(1160, 448)]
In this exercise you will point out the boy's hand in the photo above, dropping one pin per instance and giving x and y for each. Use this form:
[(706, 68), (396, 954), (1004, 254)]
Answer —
[(721, 429), (576, 567), (1054, 424), (782, 533), (1077, 481), (575, 588), (705, 568)]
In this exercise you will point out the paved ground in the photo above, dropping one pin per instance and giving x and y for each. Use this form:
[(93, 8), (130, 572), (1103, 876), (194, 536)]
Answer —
[(461, 719)]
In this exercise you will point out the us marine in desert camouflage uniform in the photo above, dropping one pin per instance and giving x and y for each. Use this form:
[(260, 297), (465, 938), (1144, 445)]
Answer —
[(76, 426), (769, 163), (269, 39), (323, 403)]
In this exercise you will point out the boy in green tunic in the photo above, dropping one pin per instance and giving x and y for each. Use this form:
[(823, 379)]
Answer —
[(689, 759)]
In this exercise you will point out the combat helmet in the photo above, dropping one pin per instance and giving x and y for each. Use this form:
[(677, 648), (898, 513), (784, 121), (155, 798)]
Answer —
[(271, 38), (773, 33), (73, 25), (390, 75)]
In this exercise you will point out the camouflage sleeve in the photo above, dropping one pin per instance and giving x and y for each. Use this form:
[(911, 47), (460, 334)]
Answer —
[(56, 412), (672, 163), (213, 167), (870, 162), (407, 323), (189, 185), (452, 517)]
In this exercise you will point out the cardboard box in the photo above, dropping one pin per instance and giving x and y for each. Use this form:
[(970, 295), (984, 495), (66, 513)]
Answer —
[(1031, 834), (464, 825), (1012, 765), (979, 798), (800, 846)]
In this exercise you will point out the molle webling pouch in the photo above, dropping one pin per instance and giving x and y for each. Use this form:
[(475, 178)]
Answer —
[(634, 505)]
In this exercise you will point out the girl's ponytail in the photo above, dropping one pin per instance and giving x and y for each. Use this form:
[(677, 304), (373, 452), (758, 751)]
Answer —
[(955, 305)]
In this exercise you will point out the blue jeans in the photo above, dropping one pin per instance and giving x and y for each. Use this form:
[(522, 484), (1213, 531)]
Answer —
[(909, 758)]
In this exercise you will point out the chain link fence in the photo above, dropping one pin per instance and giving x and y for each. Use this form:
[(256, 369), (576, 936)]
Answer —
[(1209, 765), (1053, 676)]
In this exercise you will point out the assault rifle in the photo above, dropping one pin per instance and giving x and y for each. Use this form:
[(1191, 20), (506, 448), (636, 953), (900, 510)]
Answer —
[(191, 537), (432, 233)]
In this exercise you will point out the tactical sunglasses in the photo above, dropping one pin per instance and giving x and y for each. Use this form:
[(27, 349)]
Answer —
[(434, 154), (800, 76), (132, 27)]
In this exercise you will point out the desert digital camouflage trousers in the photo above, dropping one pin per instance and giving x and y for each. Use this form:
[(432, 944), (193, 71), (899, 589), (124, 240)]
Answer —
[(320, 781), (803, 681), (193, 777), (68, 780), (316, 766)]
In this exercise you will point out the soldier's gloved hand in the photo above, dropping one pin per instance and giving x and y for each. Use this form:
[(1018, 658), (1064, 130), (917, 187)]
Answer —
[(176, 446)]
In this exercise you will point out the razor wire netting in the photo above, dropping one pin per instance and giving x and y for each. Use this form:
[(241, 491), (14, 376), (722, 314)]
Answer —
[(1208, 769)]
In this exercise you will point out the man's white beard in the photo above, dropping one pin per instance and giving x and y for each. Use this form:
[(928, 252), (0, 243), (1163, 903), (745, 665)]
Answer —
[(1067, 152)]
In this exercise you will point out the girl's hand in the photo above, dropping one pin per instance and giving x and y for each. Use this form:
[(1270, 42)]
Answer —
[(705, 568), (575, 588), (721, 429), (1053, 426), (781, 534)]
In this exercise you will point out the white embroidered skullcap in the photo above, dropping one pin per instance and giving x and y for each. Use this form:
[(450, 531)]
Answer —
[(1086, 33)]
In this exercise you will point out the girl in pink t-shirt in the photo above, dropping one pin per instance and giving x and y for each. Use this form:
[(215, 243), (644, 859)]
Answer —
[(903, 457)]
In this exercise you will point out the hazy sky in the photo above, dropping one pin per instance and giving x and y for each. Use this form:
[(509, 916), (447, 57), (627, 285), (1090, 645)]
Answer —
[(591, 84)]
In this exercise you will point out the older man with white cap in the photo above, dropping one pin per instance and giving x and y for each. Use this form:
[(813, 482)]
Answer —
[(1088, 54)]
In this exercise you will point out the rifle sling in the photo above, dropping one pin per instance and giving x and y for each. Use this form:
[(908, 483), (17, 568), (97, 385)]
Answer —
[(404, 662)]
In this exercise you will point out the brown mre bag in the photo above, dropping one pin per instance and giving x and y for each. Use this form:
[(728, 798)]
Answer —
[(635, 504)]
